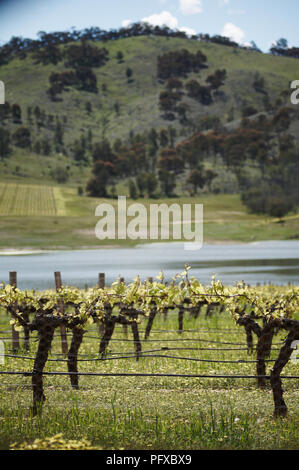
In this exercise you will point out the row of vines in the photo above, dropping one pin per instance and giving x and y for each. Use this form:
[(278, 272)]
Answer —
[(25, 199), (261, 311)]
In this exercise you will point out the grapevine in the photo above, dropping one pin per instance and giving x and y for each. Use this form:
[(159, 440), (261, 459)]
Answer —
[(262, 311)]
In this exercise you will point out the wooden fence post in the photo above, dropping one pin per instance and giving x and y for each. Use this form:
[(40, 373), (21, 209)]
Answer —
[(58, 283), (101, 282), (15, 334)]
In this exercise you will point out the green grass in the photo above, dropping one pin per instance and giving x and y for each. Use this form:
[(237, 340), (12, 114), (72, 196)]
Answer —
[(154, 413)]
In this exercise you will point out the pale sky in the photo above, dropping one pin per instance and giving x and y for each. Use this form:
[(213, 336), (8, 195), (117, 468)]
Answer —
[(263, 21)]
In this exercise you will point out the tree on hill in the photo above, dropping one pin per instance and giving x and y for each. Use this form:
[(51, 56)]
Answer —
[(168, 100), (79, 151), (86, 79), (103, 172), (129, 74), (85, 55), (196, 180), (254, 47), (163, 137), (180, 63), (103, 151), (49, 54), (182, 110), (4, 143), (45, 146), (16, 113), (120, 57), (82, 78), (170, 160), (199, 92), (174, 84), (58, 134), (146, 183), (210, 175), (168, 182), (217, 79), (21, 137), (259, 84), (282, 43)]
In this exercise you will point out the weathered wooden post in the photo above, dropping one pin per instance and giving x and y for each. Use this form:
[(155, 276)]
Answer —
[(101, 282), (64, 345), (15, 334)]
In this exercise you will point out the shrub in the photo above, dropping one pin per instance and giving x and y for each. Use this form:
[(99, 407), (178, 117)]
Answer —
[(267, 201), (60, 174)]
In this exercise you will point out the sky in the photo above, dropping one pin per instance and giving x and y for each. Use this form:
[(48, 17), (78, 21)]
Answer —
[(263, 21)]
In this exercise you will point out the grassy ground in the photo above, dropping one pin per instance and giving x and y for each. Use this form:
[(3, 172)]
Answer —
[(155, 413), (71, 221)]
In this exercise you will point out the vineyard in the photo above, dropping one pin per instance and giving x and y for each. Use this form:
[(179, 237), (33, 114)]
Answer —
[(141, 348), (26, 200)]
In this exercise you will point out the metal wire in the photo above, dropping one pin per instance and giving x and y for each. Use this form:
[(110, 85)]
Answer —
[(139, 374)]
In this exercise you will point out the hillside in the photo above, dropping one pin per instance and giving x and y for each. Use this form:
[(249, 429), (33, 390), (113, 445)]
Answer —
[(123, 107)]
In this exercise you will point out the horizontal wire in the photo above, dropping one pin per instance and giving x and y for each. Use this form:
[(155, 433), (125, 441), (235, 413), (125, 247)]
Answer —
[(143, 354), (139, 374)]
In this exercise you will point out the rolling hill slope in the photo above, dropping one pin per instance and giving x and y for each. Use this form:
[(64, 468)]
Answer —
[(125, 107)]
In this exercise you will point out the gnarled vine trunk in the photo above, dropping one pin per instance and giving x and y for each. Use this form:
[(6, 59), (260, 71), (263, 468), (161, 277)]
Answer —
[(263, 350), (150, 322), (73, 356), (280, 407), (137, 342), (46, 333)]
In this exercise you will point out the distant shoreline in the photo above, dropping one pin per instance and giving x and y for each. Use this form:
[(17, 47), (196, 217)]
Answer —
[(36, 251)]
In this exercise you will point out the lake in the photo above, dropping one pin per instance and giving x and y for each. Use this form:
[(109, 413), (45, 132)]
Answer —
[(258, 262)]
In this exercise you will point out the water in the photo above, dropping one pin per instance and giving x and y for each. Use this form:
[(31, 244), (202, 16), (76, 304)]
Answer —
[(273, 261)]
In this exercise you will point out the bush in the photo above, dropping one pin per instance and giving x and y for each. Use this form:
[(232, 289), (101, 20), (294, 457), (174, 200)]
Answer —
[(60, 174), (263, 201), (21, 137), (278, 206)]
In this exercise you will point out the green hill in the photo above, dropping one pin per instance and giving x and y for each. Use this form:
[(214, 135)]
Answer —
[(155, 117), (123, 107)]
